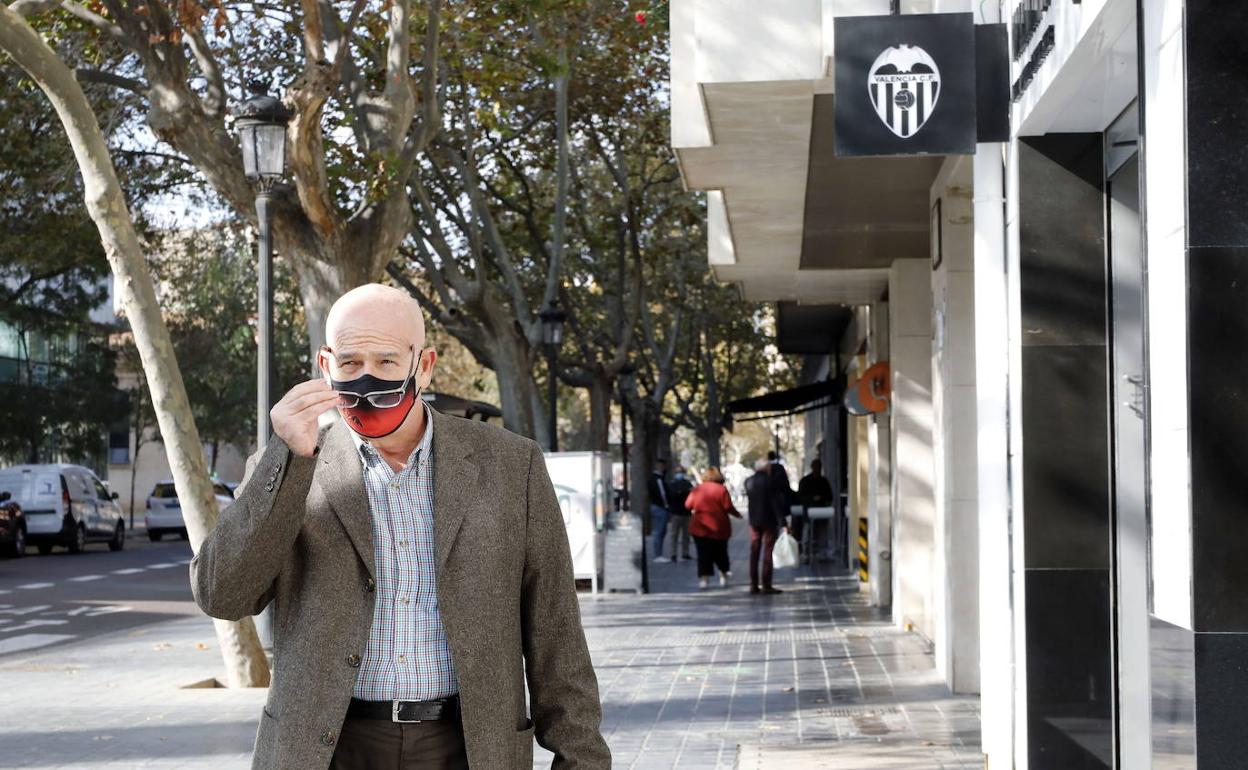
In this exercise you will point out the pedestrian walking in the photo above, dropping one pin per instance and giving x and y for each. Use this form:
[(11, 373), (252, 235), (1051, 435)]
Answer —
[(679, 490), (660, 509), (711, 505), (768, 509), (368, 537), (813, 491)]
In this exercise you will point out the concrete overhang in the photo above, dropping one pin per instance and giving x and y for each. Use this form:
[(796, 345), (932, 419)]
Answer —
[(789, 220)]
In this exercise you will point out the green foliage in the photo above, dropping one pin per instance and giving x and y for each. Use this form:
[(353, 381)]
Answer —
[(207, 280), (57, 392), (61, 411)]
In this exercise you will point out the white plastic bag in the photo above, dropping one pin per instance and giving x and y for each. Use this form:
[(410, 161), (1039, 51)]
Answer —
[(785, 553)]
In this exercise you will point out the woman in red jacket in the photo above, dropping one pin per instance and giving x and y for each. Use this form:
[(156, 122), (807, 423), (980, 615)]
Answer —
[(710, 526)]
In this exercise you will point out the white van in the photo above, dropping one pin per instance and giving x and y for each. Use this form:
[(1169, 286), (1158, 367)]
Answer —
[(65, 505)]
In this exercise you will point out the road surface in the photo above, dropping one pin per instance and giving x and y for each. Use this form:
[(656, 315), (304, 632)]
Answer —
[(61, 598)]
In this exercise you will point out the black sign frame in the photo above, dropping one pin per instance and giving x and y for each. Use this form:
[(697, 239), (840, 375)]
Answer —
[(869, 48)]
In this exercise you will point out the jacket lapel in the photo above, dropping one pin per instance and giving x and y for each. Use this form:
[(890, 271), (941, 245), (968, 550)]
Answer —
[(454, 478), (342, 478)]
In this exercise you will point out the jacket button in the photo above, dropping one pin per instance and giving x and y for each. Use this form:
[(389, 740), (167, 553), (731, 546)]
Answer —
[(353, 661), (268, 487), (370, 585), (327, 737)]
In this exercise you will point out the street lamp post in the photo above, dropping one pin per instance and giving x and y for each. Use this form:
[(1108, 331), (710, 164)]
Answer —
[(552, 319), (261, 122)]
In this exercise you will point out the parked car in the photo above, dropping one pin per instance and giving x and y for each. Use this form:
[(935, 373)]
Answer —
[(65, 505), (164, 512), (12, 526)]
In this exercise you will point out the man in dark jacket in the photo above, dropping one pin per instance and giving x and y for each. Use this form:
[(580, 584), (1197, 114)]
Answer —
[(660, 508), (678, 491), (781, 487), (768, 512), (814, 491)]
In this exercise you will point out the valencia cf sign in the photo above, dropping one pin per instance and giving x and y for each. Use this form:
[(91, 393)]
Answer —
[(906, 85)]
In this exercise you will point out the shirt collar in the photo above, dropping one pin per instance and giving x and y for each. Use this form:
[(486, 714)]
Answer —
[(421, 453)]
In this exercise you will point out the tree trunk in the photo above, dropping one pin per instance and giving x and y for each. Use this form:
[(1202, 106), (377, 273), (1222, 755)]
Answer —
[(713, 454), (639, 472), (599, 414), (641, 456), (134, 464), (539, 400), (216, 448), (244, 659), (513, 362), (663, 442), (320, 286), (515, 383)]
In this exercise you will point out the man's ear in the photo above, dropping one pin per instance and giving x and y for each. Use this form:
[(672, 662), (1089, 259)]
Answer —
[(424, 374), (322, 364)]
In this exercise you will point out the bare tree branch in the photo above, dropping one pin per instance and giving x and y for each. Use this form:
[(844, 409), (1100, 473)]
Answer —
[(313, 32), (214, 99), (88, 75)]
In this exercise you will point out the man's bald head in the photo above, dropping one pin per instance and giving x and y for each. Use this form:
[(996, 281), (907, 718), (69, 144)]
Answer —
[(378, 331), (375, 312)]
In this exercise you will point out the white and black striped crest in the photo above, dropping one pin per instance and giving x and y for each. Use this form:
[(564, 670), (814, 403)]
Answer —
[(905, 86)]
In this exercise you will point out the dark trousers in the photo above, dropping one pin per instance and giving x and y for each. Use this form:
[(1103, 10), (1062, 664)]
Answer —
[(711, 553), (798, 526), (761, 539), (658, 528), (377, 744), (678, 525)]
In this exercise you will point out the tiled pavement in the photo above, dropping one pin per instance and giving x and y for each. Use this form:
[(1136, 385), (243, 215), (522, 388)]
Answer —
[(810, 678), (716, 679)]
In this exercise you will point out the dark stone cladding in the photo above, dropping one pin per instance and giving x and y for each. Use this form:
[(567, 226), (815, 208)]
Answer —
[(1217, 266), (1066, 451)]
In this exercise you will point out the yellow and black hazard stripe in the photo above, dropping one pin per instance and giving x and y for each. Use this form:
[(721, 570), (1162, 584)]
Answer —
[(863, 571)]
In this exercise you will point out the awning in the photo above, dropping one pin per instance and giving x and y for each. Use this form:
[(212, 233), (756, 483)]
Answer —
[(803, 398)]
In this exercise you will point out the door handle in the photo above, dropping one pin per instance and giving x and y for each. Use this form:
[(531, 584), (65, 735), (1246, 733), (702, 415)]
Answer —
[(1136, 402)]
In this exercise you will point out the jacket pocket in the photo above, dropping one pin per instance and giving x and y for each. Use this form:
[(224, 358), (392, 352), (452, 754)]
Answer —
[(524, 747)]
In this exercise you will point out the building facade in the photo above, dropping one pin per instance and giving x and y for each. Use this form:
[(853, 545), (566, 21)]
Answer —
[(1054, 495)]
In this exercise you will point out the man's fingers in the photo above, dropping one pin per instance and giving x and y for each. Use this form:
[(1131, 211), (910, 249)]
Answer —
[(308, 386), (311, 401)]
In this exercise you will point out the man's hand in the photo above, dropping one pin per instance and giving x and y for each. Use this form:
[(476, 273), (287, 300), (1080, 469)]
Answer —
[(294, 417)]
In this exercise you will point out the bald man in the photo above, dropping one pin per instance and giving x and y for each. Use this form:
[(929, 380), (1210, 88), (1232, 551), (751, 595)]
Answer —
[(418, 567)]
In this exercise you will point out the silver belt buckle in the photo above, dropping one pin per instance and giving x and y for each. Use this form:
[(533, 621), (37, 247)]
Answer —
[(394, 714)]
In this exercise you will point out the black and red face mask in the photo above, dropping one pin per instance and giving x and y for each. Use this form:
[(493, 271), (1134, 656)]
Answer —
[(373, 407)]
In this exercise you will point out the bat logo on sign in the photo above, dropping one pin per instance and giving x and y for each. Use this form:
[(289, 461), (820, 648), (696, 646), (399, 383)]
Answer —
[(905, 86)]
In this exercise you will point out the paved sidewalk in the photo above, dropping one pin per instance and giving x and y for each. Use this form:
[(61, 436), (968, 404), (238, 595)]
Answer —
[(716, 679), (810, 678)]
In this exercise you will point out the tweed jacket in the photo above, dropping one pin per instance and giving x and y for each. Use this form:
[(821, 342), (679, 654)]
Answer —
[(299, 534)]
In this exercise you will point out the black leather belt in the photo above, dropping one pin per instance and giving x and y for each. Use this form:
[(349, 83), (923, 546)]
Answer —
[(405, 710)]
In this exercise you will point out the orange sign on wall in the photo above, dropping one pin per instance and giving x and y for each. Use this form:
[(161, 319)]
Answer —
[(869, 393)]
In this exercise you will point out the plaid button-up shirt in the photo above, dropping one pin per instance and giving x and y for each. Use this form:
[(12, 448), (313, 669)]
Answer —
[(408, 657)]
